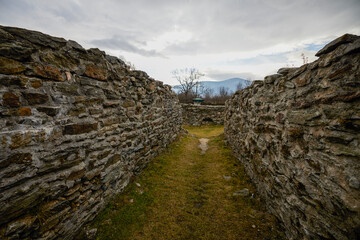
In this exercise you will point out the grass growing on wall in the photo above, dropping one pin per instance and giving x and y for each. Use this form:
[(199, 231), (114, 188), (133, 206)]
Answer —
[(183, 194)]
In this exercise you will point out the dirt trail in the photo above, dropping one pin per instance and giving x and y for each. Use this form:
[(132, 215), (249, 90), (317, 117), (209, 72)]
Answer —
[(191, 191), (203, 145)]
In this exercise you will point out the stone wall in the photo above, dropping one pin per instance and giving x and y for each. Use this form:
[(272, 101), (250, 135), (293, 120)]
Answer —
[(298, 134), (202, 114), (76, 125)]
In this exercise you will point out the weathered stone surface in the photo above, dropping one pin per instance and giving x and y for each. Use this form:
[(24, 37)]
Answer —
[(20, 140), (80, 128), (24, 111), (17, 51), (36, 83), (35, 37), (18, 80), (10, 100), (17, 158), (59, 60), (96, 72), (300, 144), (35, 98), (72, 133), (46, 71), (202, 114), (346, 38), (10, 66), (285, 71), (127, 104), (270, 79), (50, 111)]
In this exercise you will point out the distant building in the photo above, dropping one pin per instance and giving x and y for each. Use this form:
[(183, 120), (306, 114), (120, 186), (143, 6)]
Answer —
[(197, 101)]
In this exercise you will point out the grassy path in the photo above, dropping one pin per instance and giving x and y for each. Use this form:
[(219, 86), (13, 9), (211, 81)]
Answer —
[(184, 194)]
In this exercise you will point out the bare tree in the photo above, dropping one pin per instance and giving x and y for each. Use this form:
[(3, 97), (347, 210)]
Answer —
[(188, 79), (223, 92), (304, 58), (208, 93), (204, 91), (239, 86)]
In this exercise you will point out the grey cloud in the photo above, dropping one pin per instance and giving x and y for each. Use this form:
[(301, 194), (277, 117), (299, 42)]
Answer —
[(217, 26), (71, 13), (118, 42), (221, 75), (190, 47)]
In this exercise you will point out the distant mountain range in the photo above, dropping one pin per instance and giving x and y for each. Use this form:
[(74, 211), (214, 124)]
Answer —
[(229, 84)]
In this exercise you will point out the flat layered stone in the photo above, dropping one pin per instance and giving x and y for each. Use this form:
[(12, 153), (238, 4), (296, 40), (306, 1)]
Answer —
[(94, 71), (17, 51), (10, 66), (10, 100), (46, 71), (79, 128), (35, 98), (346, 38), (50, 111), (271, 78), (24, 111)]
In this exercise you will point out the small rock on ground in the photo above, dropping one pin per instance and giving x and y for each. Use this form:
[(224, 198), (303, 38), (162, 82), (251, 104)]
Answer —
[(227, 177), (244, 192), (91, 233)]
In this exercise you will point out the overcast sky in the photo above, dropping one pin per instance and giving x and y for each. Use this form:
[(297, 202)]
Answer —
[(223, 39)]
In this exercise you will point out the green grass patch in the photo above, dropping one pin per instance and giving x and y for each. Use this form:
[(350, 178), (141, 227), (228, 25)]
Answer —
[(205, 131), (183, 195)]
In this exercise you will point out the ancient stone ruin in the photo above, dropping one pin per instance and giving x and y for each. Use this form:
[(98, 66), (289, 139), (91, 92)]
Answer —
[(197, 115), (298, 135), (76, 125)]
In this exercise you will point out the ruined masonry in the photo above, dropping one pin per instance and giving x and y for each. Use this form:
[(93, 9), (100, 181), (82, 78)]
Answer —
[(298, 135), (197, 115), (76, 125)]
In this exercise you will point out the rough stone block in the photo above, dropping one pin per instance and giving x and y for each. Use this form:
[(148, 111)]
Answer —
[(346, 38), (10, 100), (96, 72), (17, 158), (79, 128), (46, 71), (24, 111), (35, 98), (9, 66), (20, 140), (50, 111)]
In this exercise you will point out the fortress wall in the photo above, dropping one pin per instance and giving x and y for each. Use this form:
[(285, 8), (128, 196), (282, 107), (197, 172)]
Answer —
[(298, 135), (75, 126)]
